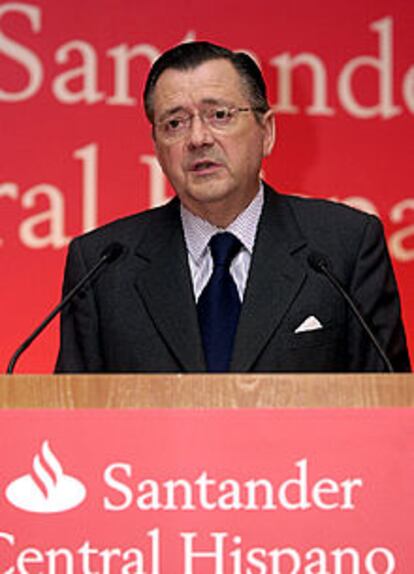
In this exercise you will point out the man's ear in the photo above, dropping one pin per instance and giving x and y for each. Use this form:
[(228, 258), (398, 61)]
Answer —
[(154, 137), (269, 127), (155, 143)]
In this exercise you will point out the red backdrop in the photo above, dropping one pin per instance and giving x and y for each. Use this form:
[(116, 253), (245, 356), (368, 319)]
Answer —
[(76, 149)]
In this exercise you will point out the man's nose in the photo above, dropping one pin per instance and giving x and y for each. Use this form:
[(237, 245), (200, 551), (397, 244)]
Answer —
[(199, 133)]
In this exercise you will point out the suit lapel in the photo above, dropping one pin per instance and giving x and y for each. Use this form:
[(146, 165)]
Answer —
[(275, 279), (164, 284)]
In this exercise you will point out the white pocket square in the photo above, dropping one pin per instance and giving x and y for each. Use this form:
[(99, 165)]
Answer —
[(311, 323)]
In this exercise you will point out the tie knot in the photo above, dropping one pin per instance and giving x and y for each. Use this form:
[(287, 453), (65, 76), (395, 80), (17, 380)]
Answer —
[(224, 247)]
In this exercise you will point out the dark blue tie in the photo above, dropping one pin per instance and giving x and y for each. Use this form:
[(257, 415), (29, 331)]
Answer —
[(219, 305)]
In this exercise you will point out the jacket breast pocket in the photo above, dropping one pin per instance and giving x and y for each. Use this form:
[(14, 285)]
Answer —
[(327, 335)]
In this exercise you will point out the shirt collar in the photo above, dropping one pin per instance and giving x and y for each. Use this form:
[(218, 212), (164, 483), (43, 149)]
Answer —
[(198, 231)]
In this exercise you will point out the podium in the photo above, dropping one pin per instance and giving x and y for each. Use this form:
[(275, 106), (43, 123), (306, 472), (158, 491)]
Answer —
[(207, 391), (207, 474)]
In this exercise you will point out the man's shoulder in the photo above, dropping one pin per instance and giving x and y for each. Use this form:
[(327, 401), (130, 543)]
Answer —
[(321, 214), (325, 226), (130, 230)]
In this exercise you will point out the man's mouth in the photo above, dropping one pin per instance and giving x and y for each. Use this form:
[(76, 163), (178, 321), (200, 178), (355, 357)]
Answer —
[(204, 166)]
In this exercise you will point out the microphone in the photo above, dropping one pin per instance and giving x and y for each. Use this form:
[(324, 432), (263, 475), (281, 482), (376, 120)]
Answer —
[(108, 255), (320, 264)]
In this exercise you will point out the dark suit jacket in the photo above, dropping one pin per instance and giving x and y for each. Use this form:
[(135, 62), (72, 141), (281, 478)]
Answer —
[(139, 313)]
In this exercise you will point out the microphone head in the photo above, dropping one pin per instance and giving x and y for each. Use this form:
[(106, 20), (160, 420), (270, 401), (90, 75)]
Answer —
[(112, 251), (318, 261)]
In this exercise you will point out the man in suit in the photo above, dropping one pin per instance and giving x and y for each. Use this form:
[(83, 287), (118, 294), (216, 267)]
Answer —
[(219, 279)]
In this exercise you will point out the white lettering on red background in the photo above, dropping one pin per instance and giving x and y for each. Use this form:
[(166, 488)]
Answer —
[(123, 55)]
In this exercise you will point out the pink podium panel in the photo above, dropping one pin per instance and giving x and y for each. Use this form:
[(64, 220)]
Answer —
[(262, 491)]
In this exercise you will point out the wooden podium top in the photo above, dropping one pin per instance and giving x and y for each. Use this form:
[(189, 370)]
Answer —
[(206, 391)]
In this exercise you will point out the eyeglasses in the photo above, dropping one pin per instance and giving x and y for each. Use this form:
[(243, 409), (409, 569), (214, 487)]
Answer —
[(218, 118)]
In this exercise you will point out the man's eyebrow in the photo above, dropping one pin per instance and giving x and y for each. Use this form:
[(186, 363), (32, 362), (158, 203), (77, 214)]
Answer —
[(215, 101), (171, 111), (204, 101)]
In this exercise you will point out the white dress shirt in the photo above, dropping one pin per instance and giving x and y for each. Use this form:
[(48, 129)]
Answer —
[(198, 232)]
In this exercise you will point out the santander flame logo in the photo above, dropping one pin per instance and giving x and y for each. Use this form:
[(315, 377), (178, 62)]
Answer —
[(46, 489)]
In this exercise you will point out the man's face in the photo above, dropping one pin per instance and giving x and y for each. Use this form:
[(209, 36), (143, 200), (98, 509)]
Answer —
[(215, 172)]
